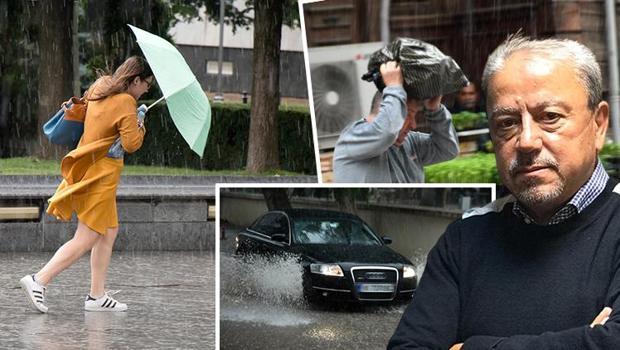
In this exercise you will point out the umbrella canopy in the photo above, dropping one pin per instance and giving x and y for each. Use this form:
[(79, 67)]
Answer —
[(186, 101)]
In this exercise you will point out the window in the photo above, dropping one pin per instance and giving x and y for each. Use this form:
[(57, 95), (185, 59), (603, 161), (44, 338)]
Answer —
[(227, 67), (273, 223), (333, 231)]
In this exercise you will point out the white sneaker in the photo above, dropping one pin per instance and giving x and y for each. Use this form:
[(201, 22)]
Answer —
[(105, 303), (35, 293)]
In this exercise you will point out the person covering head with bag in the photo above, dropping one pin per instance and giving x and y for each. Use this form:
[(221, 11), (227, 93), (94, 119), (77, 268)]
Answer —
[(384, 147), (90, 180)]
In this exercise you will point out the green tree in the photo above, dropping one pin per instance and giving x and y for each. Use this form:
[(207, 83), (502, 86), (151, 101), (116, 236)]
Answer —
[(18, 76), (110, 41), (105, 42)]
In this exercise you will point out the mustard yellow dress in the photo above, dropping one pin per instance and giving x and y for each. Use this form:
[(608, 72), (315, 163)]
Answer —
[(90, 178)]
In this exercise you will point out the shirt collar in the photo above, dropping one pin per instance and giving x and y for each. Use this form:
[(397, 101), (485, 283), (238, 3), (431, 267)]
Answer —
[(584, 197)]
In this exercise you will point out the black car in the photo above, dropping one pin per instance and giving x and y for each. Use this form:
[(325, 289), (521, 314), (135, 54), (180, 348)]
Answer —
[(341, 256)]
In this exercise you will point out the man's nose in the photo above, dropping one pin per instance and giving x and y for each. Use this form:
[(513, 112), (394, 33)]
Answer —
[(529, 138)]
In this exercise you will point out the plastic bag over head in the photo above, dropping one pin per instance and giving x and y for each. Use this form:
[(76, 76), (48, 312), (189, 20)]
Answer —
[(427, 72)]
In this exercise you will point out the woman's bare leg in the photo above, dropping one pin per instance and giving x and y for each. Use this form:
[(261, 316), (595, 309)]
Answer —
[(99, 261), (83, 241)]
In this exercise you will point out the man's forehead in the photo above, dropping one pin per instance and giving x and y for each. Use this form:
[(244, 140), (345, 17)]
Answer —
[(534, 63), (531, 73)]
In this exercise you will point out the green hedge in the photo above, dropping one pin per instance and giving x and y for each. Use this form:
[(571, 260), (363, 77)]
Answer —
[(480, 168), (610, 156), (228, 140), (469, 120)]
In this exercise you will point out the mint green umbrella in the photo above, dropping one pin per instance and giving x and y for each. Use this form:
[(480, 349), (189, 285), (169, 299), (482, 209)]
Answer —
[(186, 101)]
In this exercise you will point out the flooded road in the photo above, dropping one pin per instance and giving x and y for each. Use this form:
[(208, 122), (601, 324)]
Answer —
[(170, 296), (262, 307)]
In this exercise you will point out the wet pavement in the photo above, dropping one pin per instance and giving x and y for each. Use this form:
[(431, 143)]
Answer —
[(257, 324), (170, 296), (261, 307)]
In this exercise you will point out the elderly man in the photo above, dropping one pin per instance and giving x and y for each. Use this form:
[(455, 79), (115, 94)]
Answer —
[(539, 269), (383, 146)]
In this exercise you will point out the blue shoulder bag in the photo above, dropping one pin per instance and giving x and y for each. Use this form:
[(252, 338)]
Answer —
[(67, 125)]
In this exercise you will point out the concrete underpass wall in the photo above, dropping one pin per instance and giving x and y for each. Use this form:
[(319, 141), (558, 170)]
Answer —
[(413, 231)]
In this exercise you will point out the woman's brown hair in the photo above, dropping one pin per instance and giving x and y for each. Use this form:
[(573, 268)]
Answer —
[(108, 85)]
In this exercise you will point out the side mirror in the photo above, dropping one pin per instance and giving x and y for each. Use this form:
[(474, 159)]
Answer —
[(386, 239), (279, 237)]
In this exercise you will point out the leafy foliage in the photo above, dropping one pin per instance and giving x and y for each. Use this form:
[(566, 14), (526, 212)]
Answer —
[(110, 41), (478, 168), (610, 156), (228, 140), (469, 120), (18, 72), (243, 17)]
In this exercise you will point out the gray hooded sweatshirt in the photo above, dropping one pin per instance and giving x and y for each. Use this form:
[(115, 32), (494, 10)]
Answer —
[(365, 152)]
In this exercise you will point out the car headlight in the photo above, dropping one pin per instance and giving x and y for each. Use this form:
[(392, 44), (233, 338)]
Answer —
[(326, 269), (408, 271)]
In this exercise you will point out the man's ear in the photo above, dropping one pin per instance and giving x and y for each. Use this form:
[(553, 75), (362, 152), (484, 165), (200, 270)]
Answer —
[(601, 123)]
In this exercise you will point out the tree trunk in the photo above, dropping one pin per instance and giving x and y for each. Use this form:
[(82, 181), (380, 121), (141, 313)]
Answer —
[(75, 48), (55, 68), (5, 96), (276, 198), (345, 197), (263, 150)]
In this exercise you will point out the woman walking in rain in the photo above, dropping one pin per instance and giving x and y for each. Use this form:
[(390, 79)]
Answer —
[(91, 174)]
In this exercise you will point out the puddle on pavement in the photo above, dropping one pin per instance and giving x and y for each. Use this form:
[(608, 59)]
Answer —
[(266, 314)]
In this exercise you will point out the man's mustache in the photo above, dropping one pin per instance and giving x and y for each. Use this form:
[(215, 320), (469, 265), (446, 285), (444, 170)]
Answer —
[(526, 161)]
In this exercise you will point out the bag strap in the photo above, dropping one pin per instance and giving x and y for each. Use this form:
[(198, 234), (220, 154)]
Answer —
[(75, 101), (80, 100)]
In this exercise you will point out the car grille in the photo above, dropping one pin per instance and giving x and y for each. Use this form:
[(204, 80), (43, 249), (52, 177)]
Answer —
[(375, 276)]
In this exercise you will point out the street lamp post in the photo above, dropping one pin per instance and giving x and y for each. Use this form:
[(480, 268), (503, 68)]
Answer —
[(612, 63), (219, 96)]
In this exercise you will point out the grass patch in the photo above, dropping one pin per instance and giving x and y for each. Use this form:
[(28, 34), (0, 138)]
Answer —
[(34, 166)]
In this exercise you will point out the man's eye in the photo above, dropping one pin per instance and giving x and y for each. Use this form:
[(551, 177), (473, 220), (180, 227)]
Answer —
[(551, 117), (507, 123)]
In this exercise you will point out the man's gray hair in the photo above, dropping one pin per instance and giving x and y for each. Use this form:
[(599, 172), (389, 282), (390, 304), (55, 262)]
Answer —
[(582, 59)]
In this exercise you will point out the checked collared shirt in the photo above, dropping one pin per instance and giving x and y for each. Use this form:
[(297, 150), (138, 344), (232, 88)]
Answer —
[(586, 195)]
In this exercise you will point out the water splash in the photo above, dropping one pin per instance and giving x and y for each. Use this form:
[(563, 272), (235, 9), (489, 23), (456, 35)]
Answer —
[(419, 262), (273, 280)]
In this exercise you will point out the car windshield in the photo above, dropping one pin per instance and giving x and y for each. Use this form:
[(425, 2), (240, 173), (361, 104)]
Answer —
[(333, 231)]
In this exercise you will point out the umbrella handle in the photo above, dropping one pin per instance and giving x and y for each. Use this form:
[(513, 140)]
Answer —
[(154, 103)]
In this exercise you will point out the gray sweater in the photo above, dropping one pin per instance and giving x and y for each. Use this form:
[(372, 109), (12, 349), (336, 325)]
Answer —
[(365, 151)]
